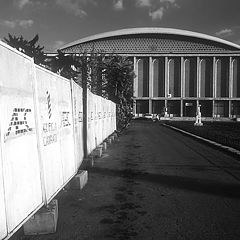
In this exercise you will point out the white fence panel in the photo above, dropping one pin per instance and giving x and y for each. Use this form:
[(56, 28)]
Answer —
[(21, 171), (48, 121), (66, 128), (98, 120), (96, 116), (108, 123), (113, 117), (90, 123), (103, 119), (78, 122), (101, 122), (3, 222)]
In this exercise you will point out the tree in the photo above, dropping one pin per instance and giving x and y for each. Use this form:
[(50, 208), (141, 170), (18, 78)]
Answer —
[(96, 64), (118, 87), (28, 47), (65, 65), (119, 76)]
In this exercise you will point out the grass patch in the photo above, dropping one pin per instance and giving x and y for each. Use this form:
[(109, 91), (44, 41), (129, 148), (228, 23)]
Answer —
[(226, 133)]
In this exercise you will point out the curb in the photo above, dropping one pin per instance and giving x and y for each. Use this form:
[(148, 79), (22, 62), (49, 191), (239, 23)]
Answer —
[(218, 145)]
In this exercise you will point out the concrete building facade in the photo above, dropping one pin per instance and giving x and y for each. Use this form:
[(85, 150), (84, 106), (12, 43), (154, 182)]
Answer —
[(176, 70)]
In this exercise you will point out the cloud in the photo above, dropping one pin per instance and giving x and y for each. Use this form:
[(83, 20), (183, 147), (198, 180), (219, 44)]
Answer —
[(8, 23), (72, 7), (170, 3), (26, 23), (57, 44), (155, 3), (17, 23), (157, 14), (227, 32), (118, 5), (143, 3), (22, 3), (76, 7), (157, 8), (86, 2)]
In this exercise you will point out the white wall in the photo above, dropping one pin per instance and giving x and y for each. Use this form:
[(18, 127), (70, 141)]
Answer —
[(20, 160), (41, 135)]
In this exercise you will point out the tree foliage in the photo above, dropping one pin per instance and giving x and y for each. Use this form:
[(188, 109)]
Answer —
[(119, 76), (30, 48), (65, 65)]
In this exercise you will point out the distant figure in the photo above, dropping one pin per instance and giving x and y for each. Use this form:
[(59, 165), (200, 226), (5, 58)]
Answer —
[(198, 121)]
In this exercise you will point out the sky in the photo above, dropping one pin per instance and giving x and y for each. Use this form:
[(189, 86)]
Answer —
[(59, 22)]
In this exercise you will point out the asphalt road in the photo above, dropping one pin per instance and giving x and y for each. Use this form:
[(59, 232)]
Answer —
[(154, 183)]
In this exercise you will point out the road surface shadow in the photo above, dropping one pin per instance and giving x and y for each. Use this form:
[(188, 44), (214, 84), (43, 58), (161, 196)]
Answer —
[(179, 182)]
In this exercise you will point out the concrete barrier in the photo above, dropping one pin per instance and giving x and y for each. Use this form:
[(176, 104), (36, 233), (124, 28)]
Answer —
[(104, 146), (44, 221), (97, 152), (80, 180)]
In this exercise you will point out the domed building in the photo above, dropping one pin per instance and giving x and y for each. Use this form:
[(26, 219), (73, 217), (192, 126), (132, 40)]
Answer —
[(176, 70)]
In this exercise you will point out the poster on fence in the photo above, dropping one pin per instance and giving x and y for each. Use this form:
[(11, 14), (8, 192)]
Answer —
[(20, 162), (48, 123)]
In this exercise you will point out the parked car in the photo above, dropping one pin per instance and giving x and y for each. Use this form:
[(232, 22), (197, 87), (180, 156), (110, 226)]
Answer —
[(148, 116)]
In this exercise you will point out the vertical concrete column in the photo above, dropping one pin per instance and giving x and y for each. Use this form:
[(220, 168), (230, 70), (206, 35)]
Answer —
[(214, 84), (230, 86), (135, 82), (166, 80), (182, 85), (214, 77), (198, 77), (150, 84), (135, 85), (230, 77), (166, 77), (182, 78)]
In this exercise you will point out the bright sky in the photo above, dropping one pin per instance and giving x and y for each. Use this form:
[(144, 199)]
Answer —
[(62, 21)]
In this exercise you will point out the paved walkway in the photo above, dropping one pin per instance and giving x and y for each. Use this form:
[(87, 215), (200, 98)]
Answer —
[(154, 183)]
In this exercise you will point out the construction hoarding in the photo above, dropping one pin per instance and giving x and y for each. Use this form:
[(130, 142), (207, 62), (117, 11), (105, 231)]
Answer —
[(41, 135), (20, 159)]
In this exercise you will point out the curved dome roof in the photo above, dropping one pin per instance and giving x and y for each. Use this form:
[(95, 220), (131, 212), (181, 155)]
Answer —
[(138, 31)]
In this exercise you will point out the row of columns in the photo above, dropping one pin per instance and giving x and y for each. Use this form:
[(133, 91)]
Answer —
[(183, 77), (225, 105)]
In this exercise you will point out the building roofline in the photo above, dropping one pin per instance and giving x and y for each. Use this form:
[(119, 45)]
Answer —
[(146, 30)]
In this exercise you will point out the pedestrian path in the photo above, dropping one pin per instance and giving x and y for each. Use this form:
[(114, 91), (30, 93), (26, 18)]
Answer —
[(154, 183)]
